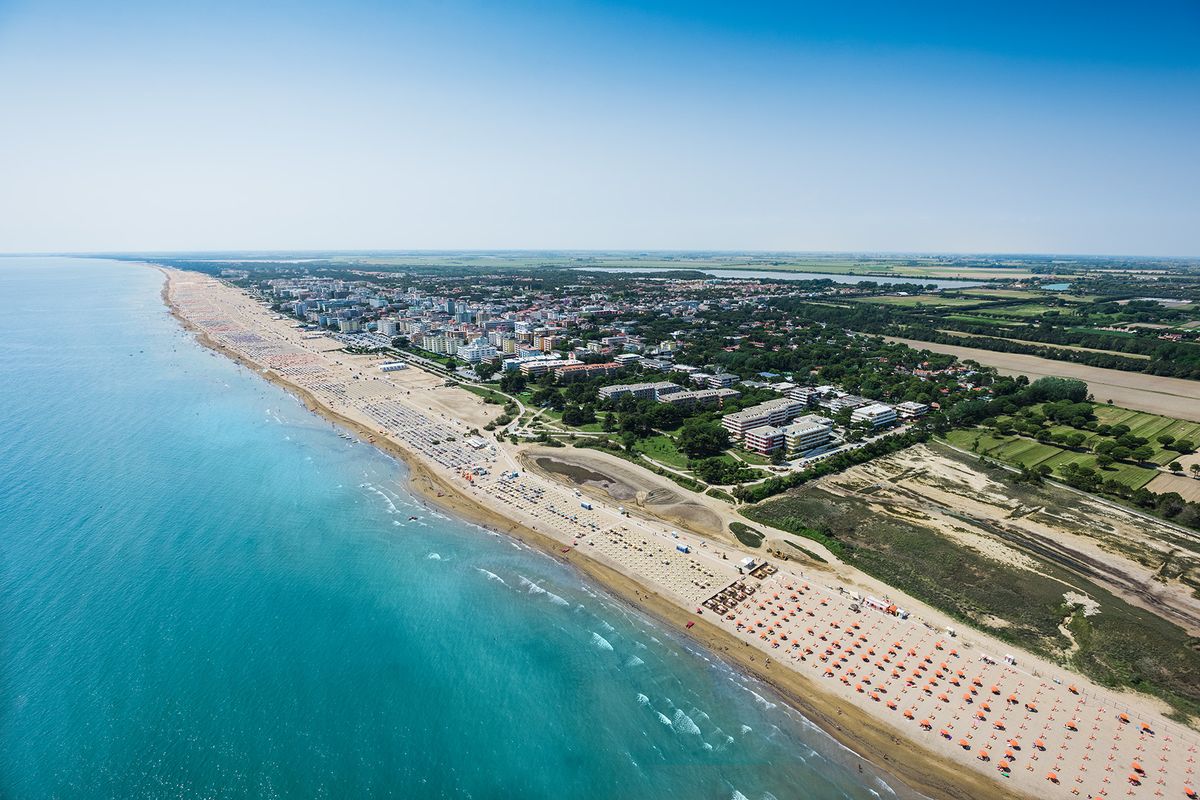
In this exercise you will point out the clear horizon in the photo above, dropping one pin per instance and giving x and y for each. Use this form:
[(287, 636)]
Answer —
[(588, 126)]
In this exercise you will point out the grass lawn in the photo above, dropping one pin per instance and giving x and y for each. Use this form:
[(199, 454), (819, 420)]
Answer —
[(976, 320), (1024, 310), (1018, 451), (752, 458), (1151, 426), (662, 449), (1131, 475)]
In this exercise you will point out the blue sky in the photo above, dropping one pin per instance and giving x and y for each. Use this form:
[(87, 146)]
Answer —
[(1005, 127)]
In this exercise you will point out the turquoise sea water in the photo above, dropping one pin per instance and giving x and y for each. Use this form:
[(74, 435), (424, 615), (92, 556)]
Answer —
[(206, 592)]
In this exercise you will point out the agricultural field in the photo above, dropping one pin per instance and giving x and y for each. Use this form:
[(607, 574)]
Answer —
[(1024, 310), (1151, 426), (1151, 393), (1019, 451), (921, 301), (1005, 294), (977, 320)]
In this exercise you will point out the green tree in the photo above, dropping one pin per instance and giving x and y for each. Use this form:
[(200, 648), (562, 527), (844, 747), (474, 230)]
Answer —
[(701, 438)]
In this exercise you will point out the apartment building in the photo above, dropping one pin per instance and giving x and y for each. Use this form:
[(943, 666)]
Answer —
[(877, 414), (772, 412), (807, 433)]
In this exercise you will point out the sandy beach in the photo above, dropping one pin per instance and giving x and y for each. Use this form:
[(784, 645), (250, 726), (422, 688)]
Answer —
[(949, 716)]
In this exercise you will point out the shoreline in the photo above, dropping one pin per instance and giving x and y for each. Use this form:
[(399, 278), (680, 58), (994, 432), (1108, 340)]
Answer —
[(894, 759)]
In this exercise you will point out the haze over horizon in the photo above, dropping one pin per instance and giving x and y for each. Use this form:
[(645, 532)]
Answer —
[(600, 126)]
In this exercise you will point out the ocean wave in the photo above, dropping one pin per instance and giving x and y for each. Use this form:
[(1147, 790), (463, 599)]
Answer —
[(738, 796), (491, 575), (434, 557), (533, 588), (606, 626), (600, 641), (663, 718), (685, 724), (643, 700), (747, 729), (391, 506), (762, 701), (634, 661)]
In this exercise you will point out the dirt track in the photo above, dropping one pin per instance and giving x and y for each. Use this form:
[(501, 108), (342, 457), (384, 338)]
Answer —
[(1171, 397)]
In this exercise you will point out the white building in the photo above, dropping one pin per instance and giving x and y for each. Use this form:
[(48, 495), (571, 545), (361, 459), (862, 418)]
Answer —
[(805, 394), (648, 391), (772, 412), (910, 409), (478, 351), (721, 381), (877, 414), (699, 397), (807, 433), (846, 401)]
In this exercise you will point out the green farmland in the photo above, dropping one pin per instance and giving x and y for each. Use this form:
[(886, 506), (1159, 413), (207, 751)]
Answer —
[(1020, 451)]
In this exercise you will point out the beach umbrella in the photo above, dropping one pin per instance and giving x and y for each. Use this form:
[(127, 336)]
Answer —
[(945, 734), (1003, 766), (1052, 777), (1014, 744), (964, 744), (1072, 725), (891, 704), (1123, 717), (926, 724), (908, 714), (1134, 779), (1039, 744), (1073, 689), (983, 755), (1137, 767)]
